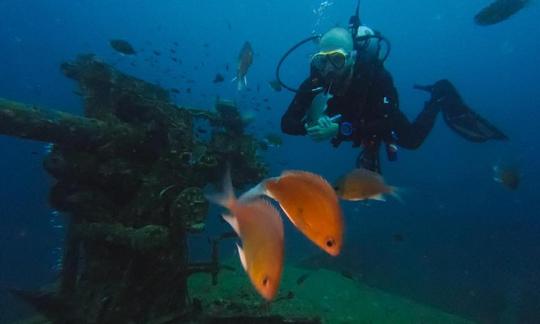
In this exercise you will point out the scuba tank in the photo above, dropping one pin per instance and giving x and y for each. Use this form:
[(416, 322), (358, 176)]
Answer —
[(368, 46), (368, 43)]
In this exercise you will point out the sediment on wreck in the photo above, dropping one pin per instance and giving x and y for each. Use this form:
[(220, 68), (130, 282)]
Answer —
[(129, 175)]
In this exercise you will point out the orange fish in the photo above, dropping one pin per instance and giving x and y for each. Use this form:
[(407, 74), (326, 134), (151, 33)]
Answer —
[(361, 184), (260, 228), (508, 176), (310, 203)]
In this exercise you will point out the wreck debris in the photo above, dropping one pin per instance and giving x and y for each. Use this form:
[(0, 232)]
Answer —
[(129, 195)]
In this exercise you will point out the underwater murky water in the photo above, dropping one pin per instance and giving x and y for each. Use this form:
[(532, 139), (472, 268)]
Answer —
[(109, 212)]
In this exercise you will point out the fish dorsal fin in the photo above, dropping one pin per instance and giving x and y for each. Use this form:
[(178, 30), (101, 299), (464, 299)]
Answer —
[(312, 179), (233, 222), (242, 256), (292, 172), (370, 173), (264, 188)]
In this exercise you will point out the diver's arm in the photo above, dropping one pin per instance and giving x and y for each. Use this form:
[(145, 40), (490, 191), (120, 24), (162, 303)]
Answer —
[(412, 135), (291, 122), (408, 135), (389, 119)]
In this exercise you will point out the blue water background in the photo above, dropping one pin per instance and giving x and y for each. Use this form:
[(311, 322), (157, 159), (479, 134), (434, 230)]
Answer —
[(470, 245)]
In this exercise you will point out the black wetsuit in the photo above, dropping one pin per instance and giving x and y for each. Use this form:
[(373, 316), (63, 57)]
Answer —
[(371, 106)]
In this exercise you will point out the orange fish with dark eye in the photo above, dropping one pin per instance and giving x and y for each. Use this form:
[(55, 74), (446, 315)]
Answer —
[(310, 203), (362, 184), (260, 228)]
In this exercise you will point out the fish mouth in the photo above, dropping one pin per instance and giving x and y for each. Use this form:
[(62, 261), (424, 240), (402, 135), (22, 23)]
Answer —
[(334, 253), (333, 250)]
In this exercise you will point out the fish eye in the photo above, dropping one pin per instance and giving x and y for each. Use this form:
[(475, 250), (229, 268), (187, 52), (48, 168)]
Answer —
[(330, 243), (265, 281)]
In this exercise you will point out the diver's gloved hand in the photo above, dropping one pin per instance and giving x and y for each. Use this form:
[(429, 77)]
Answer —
[(442, 93), (440, 90), (325, 129)]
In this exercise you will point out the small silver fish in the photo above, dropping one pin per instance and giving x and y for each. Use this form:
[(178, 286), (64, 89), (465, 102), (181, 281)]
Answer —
[(317, 108)]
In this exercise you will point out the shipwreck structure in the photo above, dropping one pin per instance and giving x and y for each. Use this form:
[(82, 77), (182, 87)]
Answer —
[(129, 175)]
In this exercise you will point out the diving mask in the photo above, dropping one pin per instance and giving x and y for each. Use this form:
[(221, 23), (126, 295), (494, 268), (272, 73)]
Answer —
[(337, 58)]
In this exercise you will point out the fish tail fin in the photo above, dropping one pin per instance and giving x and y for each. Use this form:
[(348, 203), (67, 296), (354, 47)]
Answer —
[(242, 83), (497, 179), (397, 192), (226, 198), (258, 190)]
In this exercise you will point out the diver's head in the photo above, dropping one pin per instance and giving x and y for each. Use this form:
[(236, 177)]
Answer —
[(335, 59)]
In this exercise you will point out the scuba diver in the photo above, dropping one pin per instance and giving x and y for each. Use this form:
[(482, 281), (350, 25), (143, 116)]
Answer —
[(350, 96)]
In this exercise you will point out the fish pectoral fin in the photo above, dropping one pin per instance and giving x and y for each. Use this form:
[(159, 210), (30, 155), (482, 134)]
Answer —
[(234, 79), (233, 222), (378, 197), (242, 256)]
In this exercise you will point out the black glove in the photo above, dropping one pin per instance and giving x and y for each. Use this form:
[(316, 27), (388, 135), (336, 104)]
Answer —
[(440, 90)]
